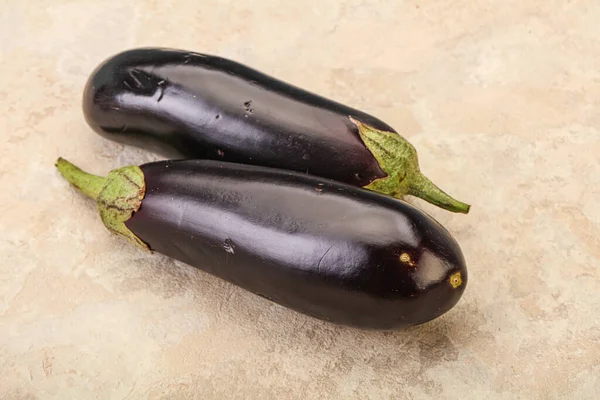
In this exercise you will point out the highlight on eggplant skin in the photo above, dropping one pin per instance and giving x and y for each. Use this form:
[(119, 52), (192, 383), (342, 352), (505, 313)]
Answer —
[(183, 104), (325, 249)]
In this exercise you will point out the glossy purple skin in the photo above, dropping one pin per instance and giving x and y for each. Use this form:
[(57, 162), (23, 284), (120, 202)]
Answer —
[(325, 249), (190, 105)]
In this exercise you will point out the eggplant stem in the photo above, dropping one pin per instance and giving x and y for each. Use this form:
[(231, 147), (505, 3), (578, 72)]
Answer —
[(397, 157), (118, 196), (88, 184), (420, 186)]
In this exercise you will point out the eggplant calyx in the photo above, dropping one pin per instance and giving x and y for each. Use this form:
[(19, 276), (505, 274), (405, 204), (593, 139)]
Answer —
[(117, 196), (398, 158)]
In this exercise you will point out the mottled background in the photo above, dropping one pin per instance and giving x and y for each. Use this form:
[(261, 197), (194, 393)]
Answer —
[(502, 101)]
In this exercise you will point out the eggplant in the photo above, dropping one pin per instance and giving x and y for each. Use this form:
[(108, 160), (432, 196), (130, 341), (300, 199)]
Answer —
[(320, 247), (183, 104)]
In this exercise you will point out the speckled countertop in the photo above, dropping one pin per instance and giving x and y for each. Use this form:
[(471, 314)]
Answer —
[(502, 101)]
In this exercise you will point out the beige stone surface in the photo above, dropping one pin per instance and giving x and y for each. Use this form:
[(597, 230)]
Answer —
[(502, 101)]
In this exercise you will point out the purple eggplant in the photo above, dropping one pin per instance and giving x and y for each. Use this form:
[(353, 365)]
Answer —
[(183, 104), (323, 248)]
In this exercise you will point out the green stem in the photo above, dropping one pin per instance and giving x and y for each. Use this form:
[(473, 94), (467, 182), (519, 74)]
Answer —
[(398, 158), (420, 186), (117, 196), (88, 184)]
